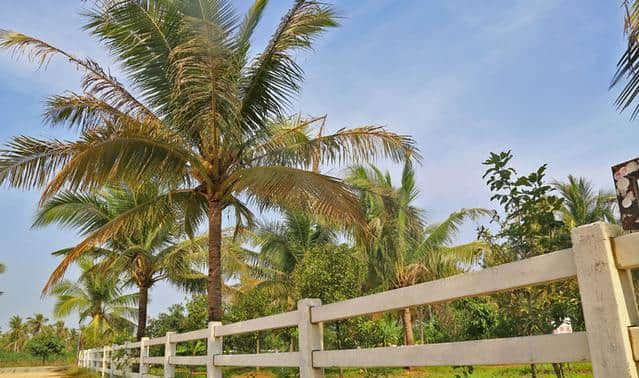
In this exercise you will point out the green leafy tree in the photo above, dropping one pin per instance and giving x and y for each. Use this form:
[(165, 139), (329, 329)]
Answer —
[(153, 250), (530, 225), (208, 120), (401, 248), (96, 295), (45, 345), (582, 205), (330, 273), (254, 303)]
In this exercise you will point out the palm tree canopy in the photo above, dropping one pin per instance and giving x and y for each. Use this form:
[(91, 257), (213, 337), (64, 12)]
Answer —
[(401, 248), (206, 117), (96, 295), (582, 205), (150, 250), (36, 323), (18, 333)]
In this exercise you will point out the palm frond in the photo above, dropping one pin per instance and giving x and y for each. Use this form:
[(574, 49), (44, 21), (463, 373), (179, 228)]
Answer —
[(96, 80), (85, 212), (273, 78), (628, 64), (346, 146), (291, 188)]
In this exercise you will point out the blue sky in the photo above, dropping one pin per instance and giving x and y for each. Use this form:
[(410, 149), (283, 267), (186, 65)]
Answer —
[(464, 78)]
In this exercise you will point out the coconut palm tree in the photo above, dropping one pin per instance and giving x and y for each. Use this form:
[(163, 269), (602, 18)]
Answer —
[(402, 249), (96, 295), (582, 205), (208, 119), (18, 334), (36, 323), (152, 252)]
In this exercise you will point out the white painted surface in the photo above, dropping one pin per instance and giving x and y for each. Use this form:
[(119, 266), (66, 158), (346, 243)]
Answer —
[(540, 269), (311, 338), (188, 360), (603, 301), (188, 336), (517, 350), (627, 251), (287, 319), (288, 359)]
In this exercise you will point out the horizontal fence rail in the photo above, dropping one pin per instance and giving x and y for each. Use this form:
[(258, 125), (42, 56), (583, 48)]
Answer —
[(600, 261), (537, 270), (515, 350)]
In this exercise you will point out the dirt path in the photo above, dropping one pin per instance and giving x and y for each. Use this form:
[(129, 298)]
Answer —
[(35, 372)]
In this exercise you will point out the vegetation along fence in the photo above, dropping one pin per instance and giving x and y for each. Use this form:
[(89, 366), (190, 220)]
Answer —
[(600, 260)]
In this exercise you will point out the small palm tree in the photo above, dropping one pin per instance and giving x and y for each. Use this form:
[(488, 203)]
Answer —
[(96, 295), (209, 119), (283, 245), (151, 252), (401, 249), (582, 205), (18, 334), (37, 323)]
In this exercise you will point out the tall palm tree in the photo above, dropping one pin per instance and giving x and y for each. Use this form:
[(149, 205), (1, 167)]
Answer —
[(153, 251), (36, 323), (402, 249), (208, 119), (18, 334), (97, 296), (582, 205)]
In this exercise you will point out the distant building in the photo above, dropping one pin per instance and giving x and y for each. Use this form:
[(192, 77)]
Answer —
[(564, 327)]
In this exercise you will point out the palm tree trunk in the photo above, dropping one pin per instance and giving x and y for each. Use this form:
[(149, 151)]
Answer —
[(215, 254), (142, 306), (408, 327)]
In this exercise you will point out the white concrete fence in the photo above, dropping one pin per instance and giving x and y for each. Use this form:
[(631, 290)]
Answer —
[(600, 261)]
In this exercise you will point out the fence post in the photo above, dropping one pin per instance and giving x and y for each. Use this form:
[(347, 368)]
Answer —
[(104, 356), (144, 353), (214, 347), (169, 350), (311, 338), (111, 363), (603, 301), (127, 355)]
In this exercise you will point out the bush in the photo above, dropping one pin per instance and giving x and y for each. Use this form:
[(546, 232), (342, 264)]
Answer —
[(45, 345)]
